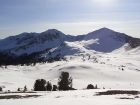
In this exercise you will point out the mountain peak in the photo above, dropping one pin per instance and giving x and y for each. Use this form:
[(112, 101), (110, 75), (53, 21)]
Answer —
[(52, 31), (105, 29), (102, 31), (101, 40)]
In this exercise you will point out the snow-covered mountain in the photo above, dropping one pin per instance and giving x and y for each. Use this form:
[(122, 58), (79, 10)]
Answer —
[(54, 43), (90, 59)]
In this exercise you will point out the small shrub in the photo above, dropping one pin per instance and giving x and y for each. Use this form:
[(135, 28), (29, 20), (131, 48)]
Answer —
[(18, 89), (0, 88), (25, 89), (90, 86), (96, 87), (54, 88)]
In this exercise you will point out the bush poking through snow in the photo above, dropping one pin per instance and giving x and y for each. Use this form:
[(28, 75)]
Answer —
[(54, 88), (18, 89), (0, 88), (25, 89), (96, 87), (90, 86)]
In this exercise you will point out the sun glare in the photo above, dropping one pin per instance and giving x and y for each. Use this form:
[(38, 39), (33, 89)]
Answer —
[(104, 2)]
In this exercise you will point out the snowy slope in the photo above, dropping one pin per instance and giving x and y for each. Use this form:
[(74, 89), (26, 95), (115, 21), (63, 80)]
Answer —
[(105, 70), (32, 42), (103, 57), (106, 73), (107, 40), (69, 49), (102, 40), (53, 45)]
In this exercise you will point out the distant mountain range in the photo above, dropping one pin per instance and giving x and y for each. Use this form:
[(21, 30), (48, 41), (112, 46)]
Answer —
[(36, 47)]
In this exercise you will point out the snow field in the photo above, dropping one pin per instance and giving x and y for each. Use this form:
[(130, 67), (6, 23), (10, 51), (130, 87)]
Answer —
[(106, 73), (78, 97)]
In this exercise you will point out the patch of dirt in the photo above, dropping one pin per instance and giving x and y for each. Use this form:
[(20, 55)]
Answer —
[(58, 96), (17, 92), (126, 98), (18, 96), (114, 92)]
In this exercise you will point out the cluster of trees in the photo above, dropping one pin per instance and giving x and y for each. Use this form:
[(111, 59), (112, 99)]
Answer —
[(64, 83), (42, 85), (8, 58), (24, 89)]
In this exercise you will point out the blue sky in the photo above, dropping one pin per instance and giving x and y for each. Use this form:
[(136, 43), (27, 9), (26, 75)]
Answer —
[(69, 16)]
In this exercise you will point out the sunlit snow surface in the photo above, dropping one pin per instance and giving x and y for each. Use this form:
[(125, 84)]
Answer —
[(78, 97), (107, 73)]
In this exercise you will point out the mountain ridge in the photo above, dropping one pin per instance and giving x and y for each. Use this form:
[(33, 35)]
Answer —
[(40, 45)]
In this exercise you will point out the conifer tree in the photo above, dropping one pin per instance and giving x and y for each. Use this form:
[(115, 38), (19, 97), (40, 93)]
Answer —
[(18, 89), (0, 88), (96, 87), (49, 86), (54, 88), (64, 81), (25, 88), (40, 85)]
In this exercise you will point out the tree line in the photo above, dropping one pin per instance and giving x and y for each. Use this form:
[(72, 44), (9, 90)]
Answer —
[(8, 58)]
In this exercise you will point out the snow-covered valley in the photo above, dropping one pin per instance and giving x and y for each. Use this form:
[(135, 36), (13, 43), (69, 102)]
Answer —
[(111, 71)]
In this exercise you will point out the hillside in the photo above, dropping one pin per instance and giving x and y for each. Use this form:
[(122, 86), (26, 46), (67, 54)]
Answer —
[(101, 57), (53, 44), (115, 71)]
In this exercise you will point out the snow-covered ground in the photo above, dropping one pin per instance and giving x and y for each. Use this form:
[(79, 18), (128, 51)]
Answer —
[(78, 97), (109, 71)]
